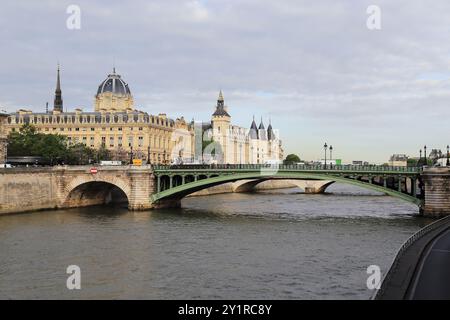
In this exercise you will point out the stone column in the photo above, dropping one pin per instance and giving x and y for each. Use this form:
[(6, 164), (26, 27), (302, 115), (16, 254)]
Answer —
[(437, 191), (142, 187)]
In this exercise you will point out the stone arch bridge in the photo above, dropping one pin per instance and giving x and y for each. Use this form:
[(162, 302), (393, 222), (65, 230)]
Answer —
[(142, 188)]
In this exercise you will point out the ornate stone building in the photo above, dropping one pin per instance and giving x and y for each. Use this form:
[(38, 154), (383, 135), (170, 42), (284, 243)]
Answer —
[(233, 144), (115, 125)]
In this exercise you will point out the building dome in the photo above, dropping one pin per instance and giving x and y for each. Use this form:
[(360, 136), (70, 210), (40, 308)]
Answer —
[(114, 84), (113, 95)]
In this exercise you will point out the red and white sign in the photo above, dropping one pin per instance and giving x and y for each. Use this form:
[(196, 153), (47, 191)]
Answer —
[(94, 170)]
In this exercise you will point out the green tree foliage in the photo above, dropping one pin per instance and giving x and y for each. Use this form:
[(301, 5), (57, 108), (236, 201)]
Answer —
[(103, 154), (53, 148), (292, 159)]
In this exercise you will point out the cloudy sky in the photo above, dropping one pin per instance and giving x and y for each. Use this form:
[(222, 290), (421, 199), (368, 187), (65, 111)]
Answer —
[(313, 67)]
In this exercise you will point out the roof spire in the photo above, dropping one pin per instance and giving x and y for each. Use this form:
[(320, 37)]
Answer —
[(58, 81), (220, 96), (58, 102)]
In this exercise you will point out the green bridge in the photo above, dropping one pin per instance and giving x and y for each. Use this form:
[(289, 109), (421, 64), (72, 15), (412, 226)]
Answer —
[(155, 186), (175, 182)]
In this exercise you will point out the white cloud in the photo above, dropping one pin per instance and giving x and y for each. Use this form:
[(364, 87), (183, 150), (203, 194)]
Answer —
[(313, 63)]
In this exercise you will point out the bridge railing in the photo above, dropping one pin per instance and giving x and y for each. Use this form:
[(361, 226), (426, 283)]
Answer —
[(284, 167)]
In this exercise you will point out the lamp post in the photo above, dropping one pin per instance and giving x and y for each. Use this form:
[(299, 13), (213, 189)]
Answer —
[(448, 160), (325, 146), (131, 155), (331, 156), (148, 154), (425, 152)]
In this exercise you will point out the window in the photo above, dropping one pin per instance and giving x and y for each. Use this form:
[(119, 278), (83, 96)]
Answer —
[(103, 141), (61, 129), (77, 129), (130, 141), (111, 141), (92, 129), (140, 128), (141, 141), (92, 142), (120, 129), (119, 141), (84, 140)]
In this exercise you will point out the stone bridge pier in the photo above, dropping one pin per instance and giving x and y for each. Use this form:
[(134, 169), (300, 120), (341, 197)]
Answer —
[(437, 191)]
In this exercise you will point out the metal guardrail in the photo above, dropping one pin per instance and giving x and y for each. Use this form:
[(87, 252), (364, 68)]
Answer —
[(331, 168), (419, 234)]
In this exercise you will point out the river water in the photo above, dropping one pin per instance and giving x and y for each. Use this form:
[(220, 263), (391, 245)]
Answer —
[(279, 244)]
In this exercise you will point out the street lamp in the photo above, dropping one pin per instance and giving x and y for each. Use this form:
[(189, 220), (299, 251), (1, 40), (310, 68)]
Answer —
[(331, 156), (448, 161), (131, 155), (148, 154), (325, 146), (425, 151)]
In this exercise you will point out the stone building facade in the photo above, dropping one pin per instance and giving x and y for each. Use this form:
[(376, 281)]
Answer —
[(115, 125), (237, 145)]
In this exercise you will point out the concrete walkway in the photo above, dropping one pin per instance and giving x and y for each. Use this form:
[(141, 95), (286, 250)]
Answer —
[(432, 278), (421, 269)]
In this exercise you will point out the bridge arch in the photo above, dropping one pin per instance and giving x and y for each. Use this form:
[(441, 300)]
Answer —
[(188, 188), (88, 191)]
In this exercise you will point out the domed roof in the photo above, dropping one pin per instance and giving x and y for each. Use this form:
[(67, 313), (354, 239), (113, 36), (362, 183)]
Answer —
[(114, 83)]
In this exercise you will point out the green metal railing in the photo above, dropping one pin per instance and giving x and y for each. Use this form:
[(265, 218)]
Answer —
[(322, 168)]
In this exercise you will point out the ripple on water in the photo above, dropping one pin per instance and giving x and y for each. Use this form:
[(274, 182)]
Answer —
[(279, 244)]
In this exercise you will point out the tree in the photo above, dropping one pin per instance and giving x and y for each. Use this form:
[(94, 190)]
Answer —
[(80, 154), (292, 159), (29, 142), (103, 154), (53, 148)]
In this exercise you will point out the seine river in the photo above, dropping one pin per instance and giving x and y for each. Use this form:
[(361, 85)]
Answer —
[(278, 244)]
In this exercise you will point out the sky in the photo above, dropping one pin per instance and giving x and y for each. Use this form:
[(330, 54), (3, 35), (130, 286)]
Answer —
[(313, 67)]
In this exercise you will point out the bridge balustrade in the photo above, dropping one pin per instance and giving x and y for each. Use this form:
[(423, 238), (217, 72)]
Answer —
[(250, 167)]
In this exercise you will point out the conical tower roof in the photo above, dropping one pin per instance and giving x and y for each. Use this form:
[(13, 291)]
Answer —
[(253, 130)]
